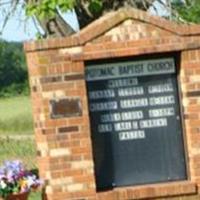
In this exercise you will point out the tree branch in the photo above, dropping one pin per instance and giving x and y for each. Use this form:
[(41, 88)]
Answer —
[(14, 5)]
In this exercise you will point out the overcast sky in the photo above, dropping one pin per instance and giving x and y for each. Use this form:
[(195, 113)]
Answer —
[(17, 30)]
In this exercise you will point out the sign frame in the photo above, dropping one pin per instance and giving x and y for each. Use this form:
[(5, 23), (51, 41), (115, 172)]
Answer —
[(176, 57)]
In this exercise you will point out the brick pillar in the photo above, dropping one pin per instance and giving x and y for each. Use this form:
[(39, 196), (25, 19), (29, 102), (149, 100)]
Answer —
[(190, 83), (62, 127)]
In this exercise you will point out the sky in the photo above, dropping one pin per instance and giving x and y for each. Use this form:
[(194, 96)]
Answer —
[(19, 28), (25, 29)]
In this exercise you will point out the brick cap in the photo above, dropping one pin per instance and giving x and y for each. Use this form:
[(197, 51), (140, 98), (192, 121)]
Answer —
[(107, 22)]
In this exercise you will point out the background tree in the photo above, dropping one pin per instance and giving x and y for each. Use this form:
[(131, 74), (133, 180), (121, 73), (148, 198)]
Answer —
[(47, 13), (13, 72), (187, 11)]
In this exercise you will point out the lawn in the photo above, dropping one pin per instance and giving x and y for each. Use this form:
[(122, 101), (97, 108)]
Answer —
[(16, 120), (35, 196), (24, 150), (18, 150), (15, 116)]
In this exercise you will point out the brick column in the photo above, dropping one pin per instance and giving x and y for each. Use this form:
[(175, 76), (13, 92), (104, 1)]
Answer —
[(61, 125), (190, 87)]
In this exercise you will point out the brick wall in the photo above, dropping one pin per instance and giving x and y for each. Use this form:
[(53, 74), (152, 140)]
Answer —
[(190, 87), (60, 108)]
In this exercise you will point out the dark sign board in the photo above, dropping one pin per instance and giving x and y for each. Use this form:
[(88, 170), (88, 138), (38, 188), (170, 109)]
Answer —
[(135, 122)]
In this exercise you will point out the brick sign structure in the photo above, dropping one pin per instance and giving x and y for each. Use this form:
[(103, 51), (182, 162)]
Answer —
[(117, 110)]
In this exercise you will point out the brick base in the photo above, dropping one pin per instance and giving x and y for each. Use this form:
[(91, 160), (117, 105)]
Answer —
[(188, 197), (150, 191)]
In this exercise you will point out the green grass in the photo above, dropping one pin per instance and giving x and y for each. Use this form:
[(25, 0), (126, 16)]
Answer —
[(18, 149), (35, 196), (24, 150), (15, 116), (16, 120)]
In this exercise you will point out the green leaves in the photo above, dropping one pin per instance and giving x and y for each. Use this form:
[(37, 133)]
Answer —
[(95, 6), (9, 189), (48, 8), (188, 11), (13, 70), (64, 5)]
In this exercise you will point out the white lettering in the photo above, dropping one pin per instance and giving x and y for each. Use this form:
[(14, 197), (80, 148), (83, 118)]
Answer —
[(161, 100), (101, 94), (131, 135), (131, 103), (130, 91), (100, 72), (122, 126), (122, 82), (132, 115), (135, 125), (160, 66), (111, 117), (160, 88), (163, 112), (152, 123), (112, 105), (129, 69)]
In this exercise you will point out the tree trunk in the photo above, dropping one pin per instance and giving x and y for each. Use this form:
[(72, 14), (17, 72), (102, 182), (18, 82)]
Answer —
[(58, 27), (85, 16)]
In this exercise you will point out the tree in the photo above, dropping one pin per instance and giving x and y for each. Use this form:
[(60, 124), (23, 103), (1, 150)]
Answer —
[(13, 71), (47, 12), (12, 66), (187, 11)]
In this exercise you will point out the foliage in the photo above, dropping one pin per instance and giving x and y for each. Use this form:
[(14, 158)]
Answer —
[(15, 89), (13, 70), (15, 179), (48, 9), (47, 12), (95, 6), (47, 17), (188, 11)]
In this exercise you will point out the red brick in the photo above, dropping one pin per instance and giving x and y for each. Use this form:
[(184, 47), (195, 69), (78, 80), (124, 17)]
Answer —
[(48, 59), (81, 150), (72, 173)]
